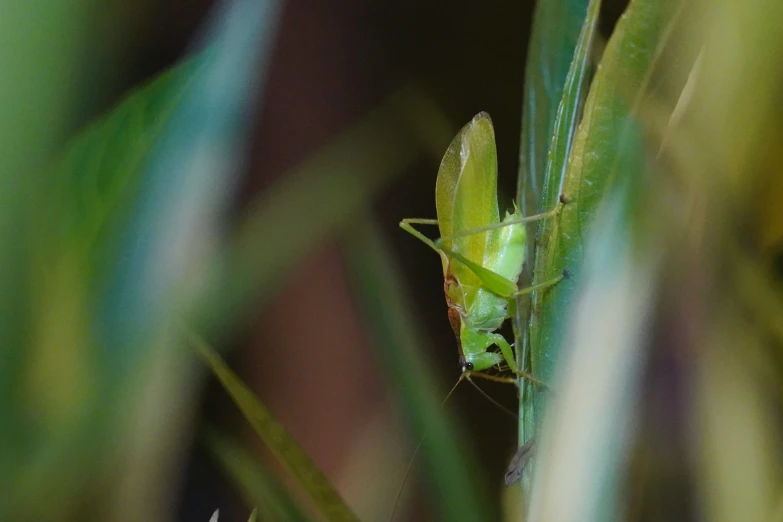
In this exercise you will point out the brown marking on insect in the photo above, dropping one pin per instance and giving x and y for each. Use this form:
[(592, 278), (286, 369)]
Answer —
[(455, 316)]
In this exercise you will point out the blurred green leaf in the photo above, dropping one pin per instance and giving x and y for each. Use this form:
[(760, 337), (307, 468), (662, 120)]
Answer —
[(592, 171), (555, 170), (280, 442), (333, 186), (588, 433), (97, 180), (259, 486), (456, 490)]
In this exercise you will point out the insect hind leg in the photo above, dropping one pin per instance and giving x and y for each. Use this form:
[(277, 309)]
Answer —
[(508, 222)]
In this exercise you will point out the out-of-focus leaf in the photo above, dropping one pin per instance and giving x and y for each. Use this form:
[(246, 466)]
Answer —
[(259, 487), (280, 442), (593, 170), (589, 422), (564, 129), (62, 378), (102, 289), (97, 181), (40, 54), (176, 224), (456, 491), (333, 186)]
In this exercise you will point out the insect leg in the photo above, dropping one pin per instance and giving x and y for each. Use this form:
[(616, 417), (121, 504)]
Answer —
[(539, 286), (505, 223), (508, 355), (407, 226)]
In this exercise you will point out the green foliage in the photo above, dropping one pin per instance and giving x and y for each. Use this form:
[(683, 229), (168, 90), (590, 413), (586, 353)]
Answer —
[(592, 169), (259, 486), (456, 491), (565, 125), (293, 458)]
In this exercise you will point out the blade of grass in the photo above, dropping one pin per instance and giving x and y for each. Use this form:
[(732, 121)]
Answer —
[(564, 129), (456, 491), (259, 486), (588, 429), (556, 28), (283, 446), (592, 171)]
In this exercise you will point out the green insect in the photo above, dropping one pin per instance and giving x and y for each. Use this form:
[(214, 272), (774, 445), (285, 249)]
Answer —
[(482, 256)]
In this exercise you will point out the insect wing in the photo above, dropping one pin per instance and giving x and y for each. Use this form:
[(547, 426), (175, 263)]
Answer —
[(466, 193)]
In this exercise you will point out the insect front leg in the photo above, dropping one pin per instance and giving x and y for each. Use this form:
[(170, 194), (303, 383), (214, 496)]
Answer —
[(508, 356)]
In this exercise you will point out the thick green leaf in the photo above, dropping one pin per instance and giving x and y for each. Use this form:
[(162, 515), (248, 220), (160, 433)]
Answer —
[(592, 171), (259, 487), (550, 57), (556, 28), (564, 131), (456, 491), (587, 453), (284, 447)]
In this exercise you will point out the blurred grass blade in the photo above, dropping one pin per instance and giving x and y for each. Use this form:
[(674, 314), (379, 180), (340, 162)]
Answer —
[(64, 378), (592, 172), (456, 490), (259, 487), (280, 442), (563, 134), (598, 382), (322, 195), (555, 31), (175, 225), (192, 171), (41, 48)]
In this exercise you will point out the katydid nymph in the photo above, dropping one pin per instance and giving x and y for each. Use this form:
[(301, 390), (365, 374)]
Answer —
[(482, 256)]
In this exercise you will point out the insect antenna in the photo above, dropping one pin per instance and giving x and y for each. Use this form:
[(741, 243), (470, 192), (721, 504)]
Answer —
[(490, 399), (416, 452)]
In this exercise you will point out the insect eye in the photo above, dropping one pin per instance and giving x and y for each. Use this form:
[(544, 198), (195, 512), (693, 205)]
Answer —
[(469, 366)]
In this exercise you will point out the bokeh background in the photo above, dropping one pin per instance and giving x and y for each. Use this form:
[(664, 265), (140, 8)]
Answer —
[(249, 214)]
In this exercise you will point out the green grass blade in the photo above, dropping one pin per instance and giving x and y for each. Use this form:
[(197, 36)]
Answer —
[(456, 491), (592, 171), (258, 486), (600, 374), (564, 130), (556, 28), (284, 447)]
